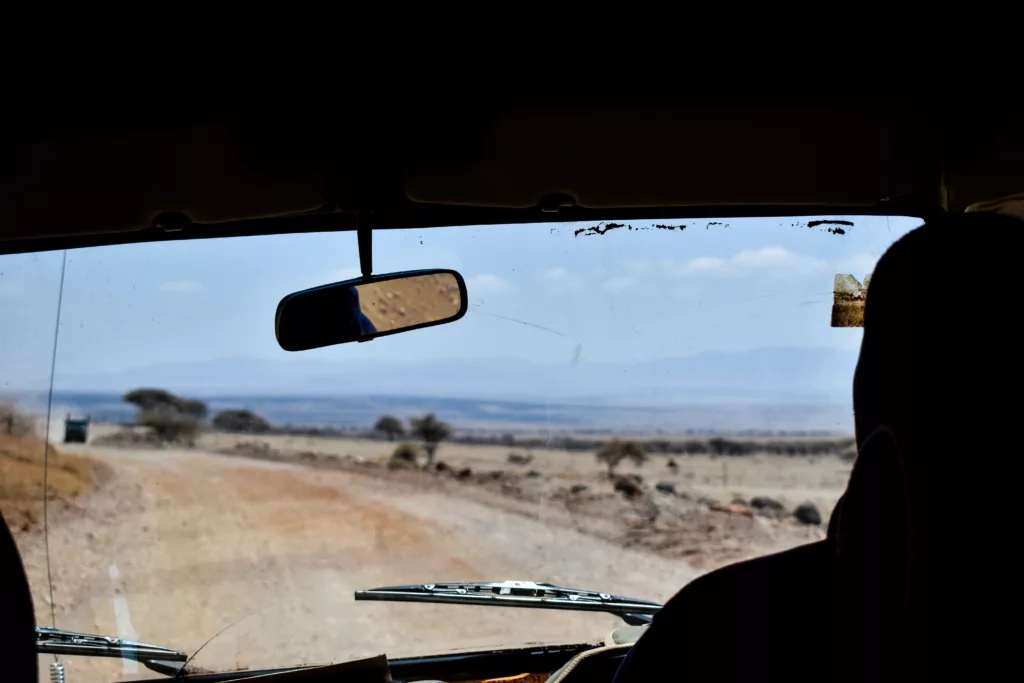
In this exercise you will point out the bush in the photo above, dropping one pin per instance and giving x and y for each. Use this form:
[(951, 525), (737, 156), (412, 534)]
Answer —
[(15, 423), (615, 451), (629, 485), (404, 456), (390, 426), (519, 458), (432, 431), (171, 428), (241, 421)]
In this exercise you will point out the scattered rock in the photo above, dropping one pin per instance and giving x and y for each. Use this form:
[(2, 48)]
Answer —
[(768, 507), (629, 485), (666, 487), (764, 503), (808, 513), (672, 466), (733, 509), (533, 474), (520, 458), (464, 473), (577, 489)]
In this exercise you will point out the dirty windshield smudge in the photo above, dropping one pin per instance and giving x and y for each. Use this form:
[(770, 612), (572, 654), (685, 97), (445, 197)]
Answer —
[(602, 228), (598, 230), (833, 226), (521, 322)]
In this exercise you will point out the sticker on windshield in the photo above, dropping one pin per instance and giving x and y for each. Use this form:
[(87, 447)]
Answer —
[(848, 300)]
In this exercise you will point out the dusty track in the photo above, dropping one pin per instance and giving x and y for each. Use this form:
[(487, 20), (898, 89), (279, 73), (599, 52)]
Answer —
[(180, 544)]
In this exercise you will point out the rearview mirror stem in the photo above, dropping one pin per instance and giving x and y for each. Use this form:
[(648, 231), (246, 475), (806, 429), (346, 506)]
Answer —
[(364, 230)]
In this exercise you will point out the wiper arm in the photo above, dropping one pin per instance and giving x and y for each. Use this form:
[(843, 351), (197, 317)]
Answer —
[(516, 594), (58, 642)]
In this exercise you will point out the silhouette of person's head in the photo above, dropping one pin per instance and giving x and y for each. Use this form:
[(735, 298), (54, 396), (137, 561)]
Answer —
[(937, 338)]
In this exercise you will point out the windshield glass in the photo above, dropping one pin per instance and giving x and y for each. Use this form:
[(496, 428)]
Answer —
[(623, 409)]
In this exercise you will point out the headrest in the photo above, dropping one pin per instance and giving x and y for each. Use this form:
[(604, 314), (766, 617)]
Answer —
[(939, 324), (934, 402), (17, 619)]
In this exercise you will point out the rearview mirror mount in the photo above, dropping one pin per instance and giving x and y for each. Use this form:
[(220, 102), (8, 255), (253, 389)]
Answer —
[(369, 307)]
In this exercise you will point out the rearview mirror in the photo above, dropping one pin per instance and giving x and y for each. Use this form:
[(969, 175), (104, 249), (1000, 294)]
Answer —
[(363, 309)]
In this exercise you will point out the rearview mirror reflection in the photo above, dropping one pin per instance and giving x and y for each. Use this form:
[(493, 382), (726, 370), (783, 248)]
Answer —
[(359, 310)]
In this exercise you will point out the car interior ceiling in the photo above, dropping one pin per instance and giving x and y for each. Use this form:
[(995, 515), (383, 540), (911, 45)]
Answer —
[(937, 337), (114, 175)]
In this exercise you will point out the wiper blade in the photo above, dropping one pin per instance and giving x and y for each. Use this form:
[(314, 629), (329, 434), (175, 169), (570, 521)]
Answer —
[(58, 642), (513, 594)]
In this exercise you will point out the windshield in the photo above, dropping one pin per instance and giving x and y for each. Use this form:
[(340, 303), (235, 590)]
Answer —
[(620, 410)]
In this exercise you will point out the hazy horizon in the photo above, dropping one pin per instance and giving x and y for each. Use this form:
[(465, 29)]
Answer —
[(735, 310)]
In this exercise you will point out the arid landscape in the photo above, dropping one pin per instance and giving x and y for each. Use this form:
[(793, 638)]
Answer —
[(268, 535)]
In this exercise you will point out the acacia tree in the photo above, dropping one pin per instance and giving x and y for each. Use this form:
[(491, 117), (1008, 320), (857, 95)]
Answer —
[(390, 426), (615, 451), (162, 401), (171, 417), (431, 431)]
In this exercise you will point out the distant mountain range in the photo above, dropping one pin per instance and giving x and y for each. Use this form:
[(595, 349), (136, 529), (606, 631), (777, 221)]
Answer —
[(770, 388)]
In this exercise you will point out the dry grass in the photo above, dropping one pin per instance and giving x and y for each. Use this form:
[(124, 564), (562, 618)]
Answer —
[(21, 478), (792, 479)]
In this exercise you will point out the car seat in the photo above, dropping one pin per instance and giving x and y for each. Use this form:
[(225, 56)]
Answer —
[(18, 657)]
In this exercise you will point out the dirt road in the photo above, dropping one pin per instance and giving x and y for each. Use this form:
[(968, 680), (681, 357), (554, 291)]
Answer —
[(178, 545)]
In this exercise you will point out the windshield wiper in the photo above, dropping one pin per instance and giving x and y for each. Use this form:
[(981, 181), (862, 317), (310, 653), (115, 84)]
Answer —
[(517, 594), (58, 642)]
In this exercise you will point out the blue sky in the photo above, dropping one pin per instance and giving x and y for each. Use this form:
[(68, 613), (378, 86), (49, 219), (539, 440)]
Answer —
[(624, 297)]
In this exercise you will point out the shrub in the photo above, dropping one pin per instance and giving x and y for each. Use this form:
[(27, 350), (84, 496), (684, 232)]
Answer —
[(432, 431), (615, 451), (15, 423), (172, 428), (404, 456), (241, 421), (390, 426)]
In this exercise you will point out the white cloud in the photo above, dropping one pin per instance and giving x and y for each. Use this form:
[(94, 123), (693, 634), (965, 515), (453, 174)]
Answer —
[(703, 264), (617, 284), (181, 286), (347, 273), (487, 284), (857, 265), (562, 280), (775, 261)]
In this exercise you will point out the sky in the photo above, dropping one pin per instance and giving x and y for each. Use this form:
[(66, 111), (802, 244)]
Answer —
[(722, 285)]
